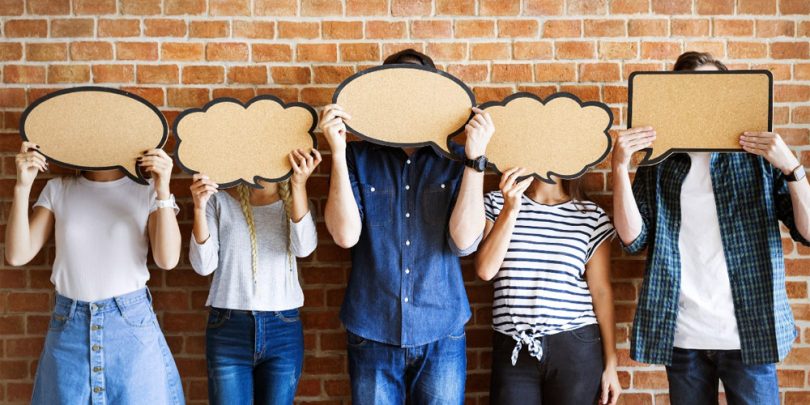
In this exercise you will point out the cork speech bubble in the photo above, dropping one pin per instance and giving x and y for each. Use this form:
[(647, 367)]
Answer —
[(235, 143), (405, 105), (94, 128), (560, 136), (699, 110)]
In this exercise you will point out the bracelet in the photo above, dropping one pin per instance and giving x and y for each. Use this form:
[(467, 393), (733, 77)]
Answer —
[(167, 203)]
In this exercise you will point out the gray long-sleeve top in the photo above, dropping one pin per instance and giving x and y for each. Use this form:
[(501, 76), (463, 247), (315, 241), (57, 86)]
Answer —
[(226, 253)]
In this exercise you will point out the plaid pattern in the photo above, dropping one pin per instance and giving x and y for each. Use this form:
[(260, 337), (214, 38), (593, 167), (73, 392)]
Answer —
[(751, 197)]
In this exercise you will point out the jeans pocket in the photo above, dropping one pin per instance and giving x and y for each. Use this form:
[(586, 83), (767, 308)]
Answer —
[(289, 316), (355, 340), (138, 315), (59, 319), (587, 334), (458, 335), (216, 318), (378, 204)]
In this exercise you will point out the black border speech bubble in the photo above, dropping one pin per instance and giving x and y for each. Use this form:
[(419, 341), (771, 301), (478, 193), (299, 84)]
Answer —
[(648, 151), (140, 177), (432, 144), (204, 109), (542, 101)]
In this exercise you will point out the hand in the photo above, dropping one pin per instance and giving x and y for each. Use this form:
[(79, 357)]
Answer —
[(202, 188), (770, 146), (512, 190), (479, 131), (157, 162), (29, 162), (611, 389), (334, 127), (629, 142), (303, 164)]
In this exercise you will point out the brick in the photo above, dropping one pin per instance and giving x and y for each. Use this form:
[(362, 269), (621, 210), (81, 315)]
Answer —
[(474, 29), (184, 7), (689, 27), (517, 28), (26, 28), (791, 92), (532, 50), (599, 72), (411, 8), (359, 52), (647, 28), (423, 29), (247, 75), (605, 28), (667, 7), (734, 28), (440, 51), (203, 74), (291, 30), (23, 74), (714, 7), (181, 51), (544, 7), (747, 50), (271, 53), (254, 29), (140, 7), (228, 7), (790, 50), (586, 7), (562, 28), (498, 7), (660, 50), (113, 73), (91, 51), (366, 7), (794, 7), (775, 28), (320, 8), (119, 27), (618, 50), (46, 51), (574, 50), (275, 7), (11, 51), (74, 27), (208, 29), (555, 72), (511, 72), (187, 97), (761, 7), (12, 7), (330, 74), (629, 6), (290, 75), (136, 50), (94, 7), (158, 74), (316, 53), (164, 27), (342, 29), (385, 29), (715, 48), (455, 7), (489, 51), (226, 51), (469, 73), (48, 7)]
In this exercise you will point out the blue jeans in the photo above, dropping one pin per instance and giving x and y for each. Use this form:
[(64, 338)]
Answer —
[(253, 356), (106, 352), (382, 374), (694, 375)]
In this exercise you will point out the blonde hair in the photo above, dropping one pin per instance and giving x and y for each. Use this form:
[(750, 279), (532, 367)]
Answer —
[(247, 210)]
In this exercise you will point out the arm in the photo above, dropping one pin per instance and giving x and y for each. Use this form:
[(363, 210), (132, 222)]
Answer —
[(626, 215), (597, 274), (203, 250), (341, 213), (304, 235), (771, 146), (25, 236), (467, 220), (497, 235), (164, 233)]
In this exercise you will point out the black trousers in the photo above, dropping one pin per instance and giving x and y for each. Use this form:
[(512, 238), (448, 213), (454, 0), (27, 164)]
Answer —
[(569, 372)]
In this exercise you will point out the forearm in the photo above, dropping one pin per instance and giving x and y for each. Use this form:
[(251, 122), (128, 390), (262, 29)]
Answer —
[(605, 316), (800, 199), (300, 205), (493, 249), (468, 218), (166, 241), (200, 229), (18, 231), (341, 214), (626, 216)]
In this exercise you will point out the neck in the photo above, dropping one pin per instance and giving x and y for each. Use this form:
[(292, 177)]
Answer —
[(103, 175), (409, 151), (548, 194), (266, 195)]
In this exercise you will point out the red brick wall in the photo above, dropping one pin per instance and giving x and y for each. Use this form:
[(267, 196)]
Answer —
[(181, 53)]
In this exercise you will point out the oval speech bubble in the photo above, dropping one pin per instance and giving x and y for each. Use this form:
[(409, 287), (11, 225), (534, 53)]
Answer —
[(560, 136), (94, 128), (405, 105), (234, 143)]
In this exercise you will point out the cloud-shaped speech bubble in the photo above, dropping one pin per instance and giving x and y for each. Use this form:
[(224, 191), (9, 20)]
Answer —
[(559, 135), (235, 143), (94, 128), (699, 110), (405, 105)]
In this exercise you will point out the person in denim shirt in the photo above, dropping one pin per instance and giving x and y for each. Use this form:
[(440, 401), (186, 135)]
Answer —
[(407, 214), (712, 306)]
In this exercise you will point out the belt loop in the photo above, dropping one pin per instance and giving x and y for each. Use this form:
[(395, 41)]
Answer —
[(72, 311), (148, 295)]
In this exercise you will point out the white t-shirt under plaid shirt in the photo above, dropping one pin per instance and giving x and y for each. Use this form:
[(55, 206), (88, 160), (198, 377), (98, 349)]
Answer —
[(540, 288)]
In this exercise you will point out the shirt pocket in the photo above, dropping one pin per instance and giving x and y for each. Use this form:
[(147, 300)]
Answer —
[(378, 205), (435, 200)]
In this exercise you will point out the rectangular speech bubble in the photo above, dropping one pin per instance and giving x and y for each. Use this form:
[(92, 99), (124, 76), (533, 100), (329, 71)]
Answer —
[(699, 110)]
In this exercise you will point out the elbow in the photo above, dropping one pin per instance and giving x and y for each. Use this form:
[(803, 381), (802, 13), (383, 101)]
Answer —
[(483, 271), (15, 260), (167, 263), (346, 241)]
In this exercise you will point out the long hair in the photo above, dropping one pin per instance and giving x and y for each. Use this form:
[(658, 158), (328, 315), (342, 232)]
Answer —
[(247, 211), (576, 192)]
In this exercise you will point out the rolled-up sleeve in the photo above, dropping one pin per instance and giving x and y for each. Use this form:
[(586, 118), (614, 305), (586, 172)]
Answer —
[(204, 257), (784, 207), (304, 235)]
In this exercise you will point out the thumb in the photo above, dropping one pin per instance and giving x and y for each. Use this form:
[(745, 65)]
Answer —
[(605, 393)]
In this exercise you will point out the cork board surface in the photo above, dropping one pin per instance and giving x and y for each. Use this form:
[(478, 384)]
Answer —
[(405, 105), (699, 110), (235, 143), (94, 128), (560, 135)]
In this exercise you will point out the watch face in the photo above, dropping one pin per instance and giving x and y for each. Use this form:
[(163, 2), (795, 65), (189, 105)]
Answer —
[(481, 164)]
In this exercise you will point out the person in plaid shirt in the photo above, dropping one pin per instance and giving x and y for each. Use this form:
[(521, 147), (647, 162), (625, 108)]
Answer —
[(712, 306)]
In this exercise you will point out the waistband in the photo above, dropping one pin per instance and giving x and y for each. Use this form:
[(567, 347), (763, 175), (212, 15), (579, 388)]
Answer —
[(105, 305)]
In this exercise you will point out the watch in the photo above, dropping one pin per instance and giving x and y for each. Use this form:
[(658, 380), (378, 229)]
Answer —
[(479, 164), (167, 203), (797, 174)]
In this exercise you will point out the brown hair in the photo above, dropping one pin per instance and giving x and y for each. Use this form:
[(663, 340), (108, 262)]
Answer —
[(573, 188), (693, 60), (402, 56)]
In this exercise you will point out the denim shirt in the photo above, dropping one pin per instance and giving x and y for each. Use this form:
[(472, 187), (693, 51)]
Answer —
[(751, 198), (405, 288)]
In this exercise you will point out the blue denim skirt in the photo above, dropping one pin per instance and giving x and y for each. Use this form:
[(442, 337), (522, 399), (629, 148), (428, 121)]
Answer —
[(106, 352)]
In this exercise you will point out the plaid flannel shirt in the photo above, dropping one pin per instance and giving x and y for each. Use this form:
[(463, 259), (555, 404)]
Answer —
[(751, 197)]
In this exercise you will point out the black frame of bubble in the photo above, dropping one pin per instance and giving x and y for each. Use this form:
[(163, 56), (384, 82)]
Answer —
[(646, 161), (140, 176)]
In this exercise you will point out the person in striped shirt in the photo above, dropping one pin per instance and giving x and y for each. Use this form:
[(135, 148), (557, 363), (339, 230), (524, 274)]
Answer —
[(543, 251)]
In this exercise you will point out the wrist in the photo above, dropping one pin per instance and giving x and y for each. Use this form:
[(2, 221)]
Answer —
[(789, 167), (22, 188), (163, 193)]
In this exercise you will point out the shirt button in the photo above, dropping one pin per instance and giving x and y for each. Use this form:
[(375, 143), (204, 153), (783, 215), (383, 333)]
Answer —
[(407, 243), (93, 307), (97, 369), (408, 161), (442, 185), (96, 348), (97, 389), (407, 187), (95, 327), (407, 271), (407, 215), (406, 299), (373, 189)]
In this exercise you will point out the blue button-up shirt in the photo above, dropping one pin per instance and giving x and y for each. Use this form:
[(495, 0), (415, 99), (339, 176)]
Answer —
[(751, 198), (405, 288)]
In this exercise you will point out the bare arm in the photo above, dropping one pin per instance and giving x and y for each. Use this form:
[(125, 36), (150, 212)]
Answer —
[(341, 213), (626, 216), (164, 233), (25, 236), (303, 164), (597, 274)]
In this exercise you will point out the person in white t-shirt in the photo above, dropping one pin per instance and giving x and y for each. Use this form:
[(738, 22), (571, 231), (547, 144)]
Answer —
[(104, 343)]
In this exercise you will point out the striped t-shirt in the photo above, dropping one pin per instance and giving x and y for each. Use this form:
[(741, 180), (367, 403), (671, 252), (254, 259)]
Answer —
[(540, 288)]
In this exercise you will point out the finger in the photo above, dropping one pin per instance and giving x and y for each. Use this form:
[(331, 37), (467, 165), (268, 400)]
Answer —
[(755, 145), (505, 175), (636, 136), (510, 181), (525, 183), (477, 110), (293, 163), (754, 151), (605, 393), (474, 124), (480, 119), (318, 157), (310, 158), (630, 131), (28, 146), (332, 122)]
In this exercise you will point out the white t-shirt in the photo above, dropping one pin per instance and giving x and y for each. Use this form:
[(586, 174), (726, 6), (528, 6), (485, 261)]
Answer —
[(101, 235), (706, 317)]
